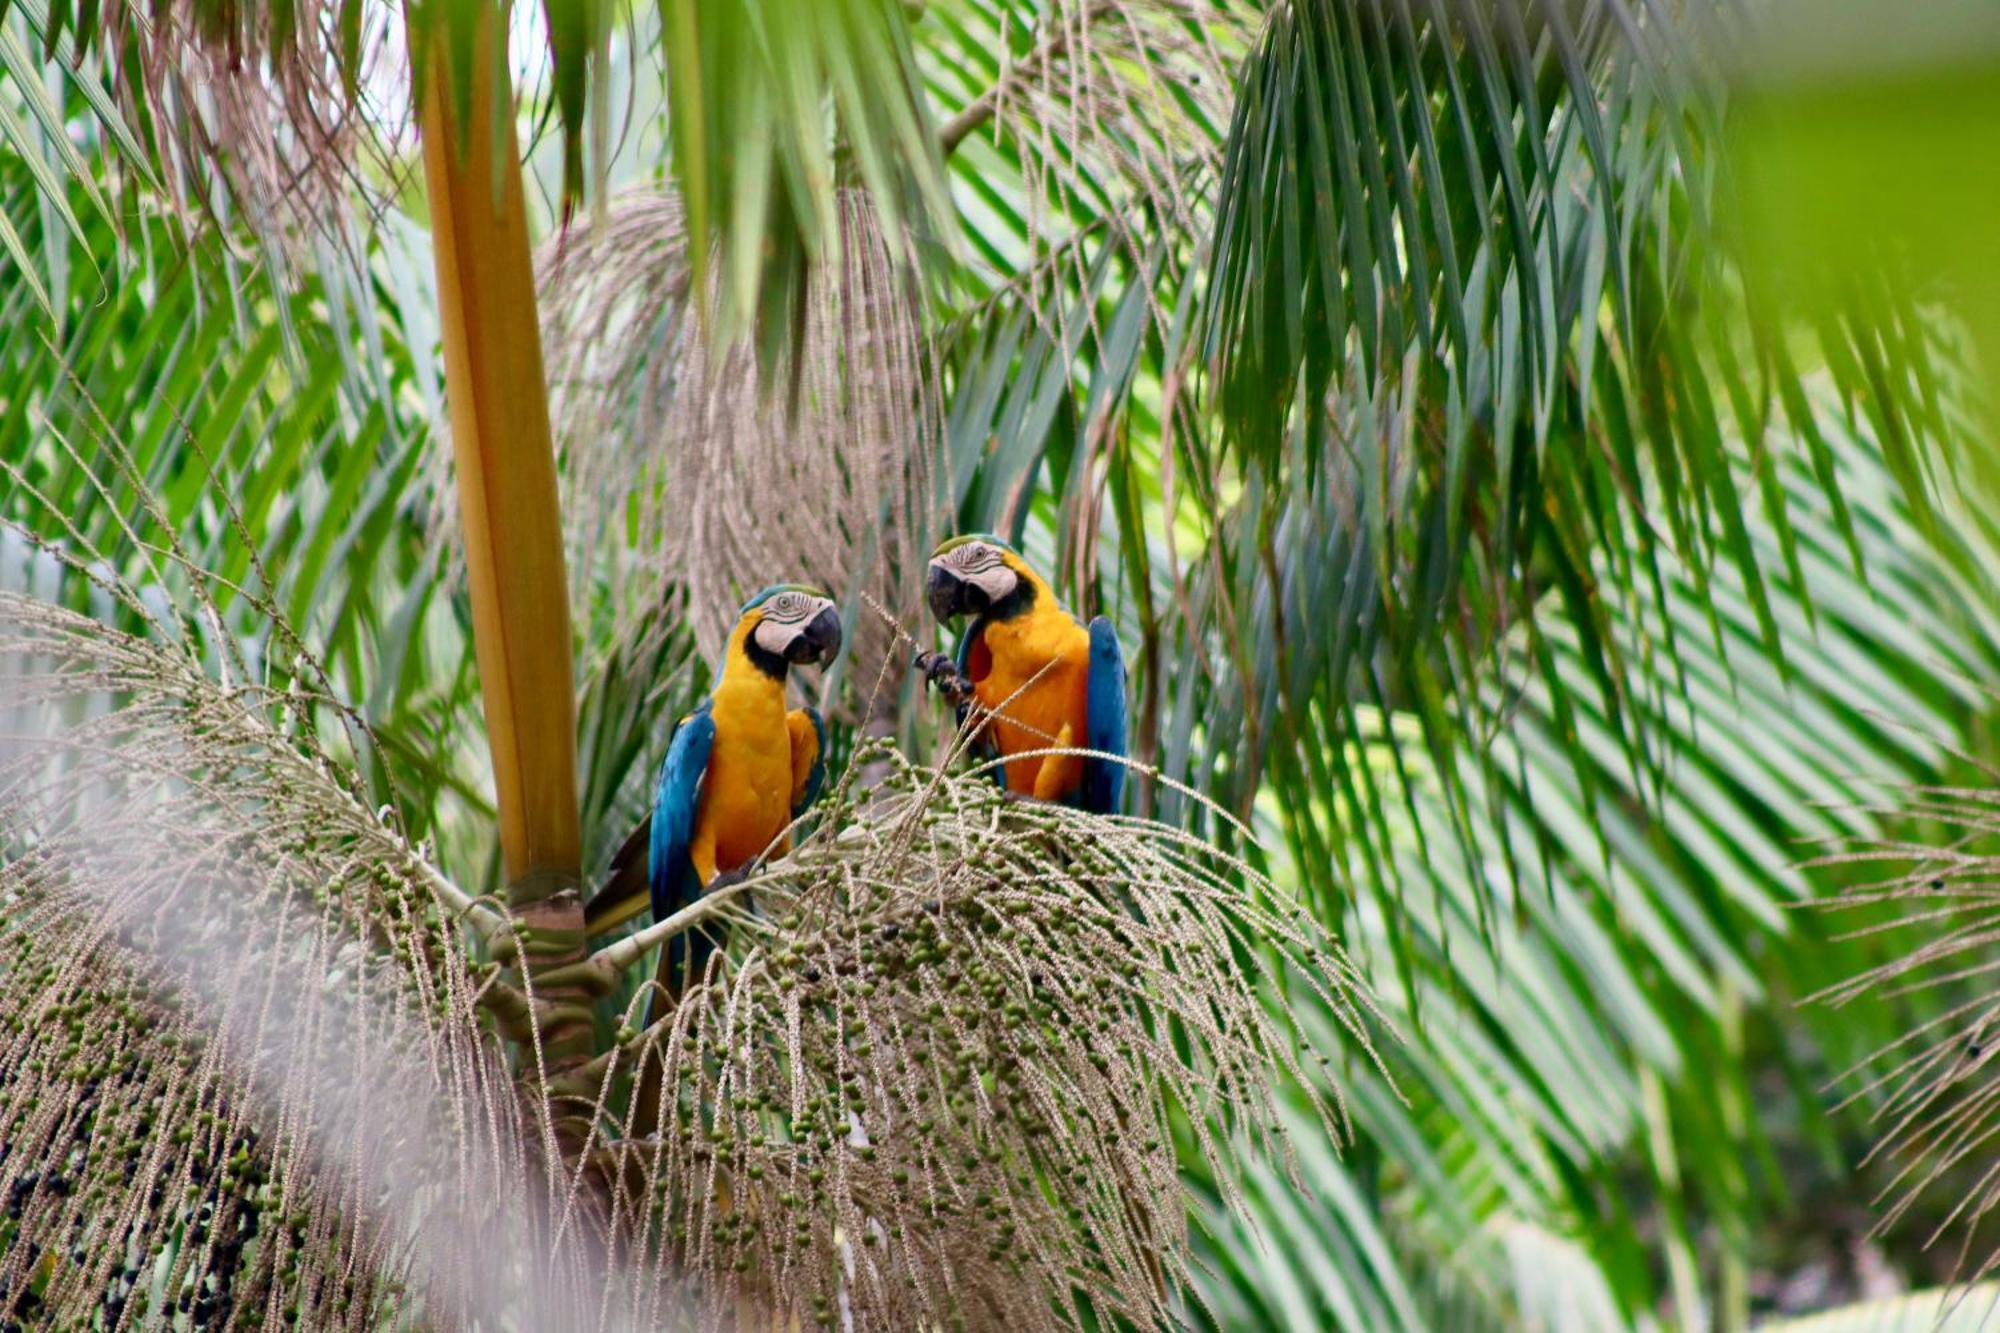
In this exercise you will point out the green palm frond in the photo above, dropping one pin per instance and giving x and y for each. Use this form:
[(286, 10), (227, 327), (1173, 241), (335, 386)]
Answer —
[(270, 115), (753, 91), (1473, 319), (280, 114), (1588, 969)]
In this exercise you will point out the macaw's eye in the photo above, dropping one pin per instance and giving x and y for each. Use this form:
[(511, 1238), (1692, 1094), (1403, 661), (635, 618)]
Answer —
[(971, 557)]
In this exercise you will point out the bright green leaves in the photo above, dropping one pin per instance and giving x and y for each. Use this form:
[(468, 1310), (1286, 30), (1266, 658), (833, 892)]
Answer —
[(579, 34), (1597, 979), (775, 108), (1477, 315)]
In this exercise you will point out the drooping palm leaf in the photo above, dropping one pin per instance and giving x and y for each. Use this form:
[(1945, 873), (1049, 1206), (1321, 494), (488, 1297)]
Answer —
[(1589, 994), (1471, 306), (750, 87)]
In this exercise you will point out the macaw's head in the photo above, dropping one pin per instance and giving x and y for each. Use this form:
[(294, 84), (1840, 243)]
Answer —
[(976, 575), (791, 622)]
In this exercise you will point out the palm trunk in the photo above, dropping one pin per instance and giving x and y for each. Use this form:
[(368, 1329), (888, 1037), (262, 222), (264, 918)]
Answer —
[(510, 519)]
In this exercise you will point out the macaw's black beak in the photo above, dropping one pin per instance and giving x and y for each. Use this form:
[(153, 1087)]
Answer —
[(819, 641), (951, 596)]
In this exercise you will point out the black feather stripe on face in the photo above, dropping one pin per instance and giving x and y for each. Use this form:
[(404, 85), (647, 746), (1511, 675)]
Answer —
[(791, 608), (972, 558), (771, 664)]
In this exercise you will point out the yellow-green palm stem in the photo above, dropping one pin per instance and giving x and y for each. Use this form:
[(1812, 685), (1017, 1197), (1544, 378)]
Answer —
[(508, 510)]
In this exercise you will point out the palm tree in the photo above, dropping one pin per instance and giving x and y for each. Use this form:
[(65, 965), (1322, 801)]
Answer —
[(1391, 370)]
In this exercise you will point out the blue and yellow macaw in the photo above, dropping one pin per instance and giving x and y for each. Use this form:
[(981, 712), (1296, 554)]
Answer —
[(1021, 634), (738, 770)]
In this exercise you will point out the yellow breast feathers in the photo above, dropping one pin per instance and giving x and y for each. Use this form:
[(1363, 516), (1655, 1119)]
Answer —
[(1036, 677), (746, 799)]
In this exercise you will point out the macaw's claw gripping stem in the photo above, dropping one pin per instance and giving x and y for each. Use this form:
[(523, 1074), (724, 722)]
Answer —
[(944, 676)]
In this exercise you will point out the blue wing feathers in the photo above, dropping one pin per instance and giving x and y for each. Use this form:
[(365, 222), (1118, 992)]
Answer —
[(1103, 780), (676, 802)]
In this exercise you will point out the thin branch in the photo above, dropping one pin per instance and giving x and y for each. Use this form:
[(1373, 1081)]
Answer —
[(487, 922), (602, 969)]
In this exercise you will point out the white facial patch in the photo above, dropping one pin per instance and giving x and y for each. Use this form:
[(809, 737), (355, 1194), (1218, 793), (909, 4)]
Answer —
[(785, 618), (984, 567)]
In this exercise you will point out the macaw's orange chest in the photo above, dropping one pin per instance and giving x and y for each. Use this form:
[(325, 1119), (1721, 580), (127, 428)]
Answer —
[(1034, 672), (746, 799)]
